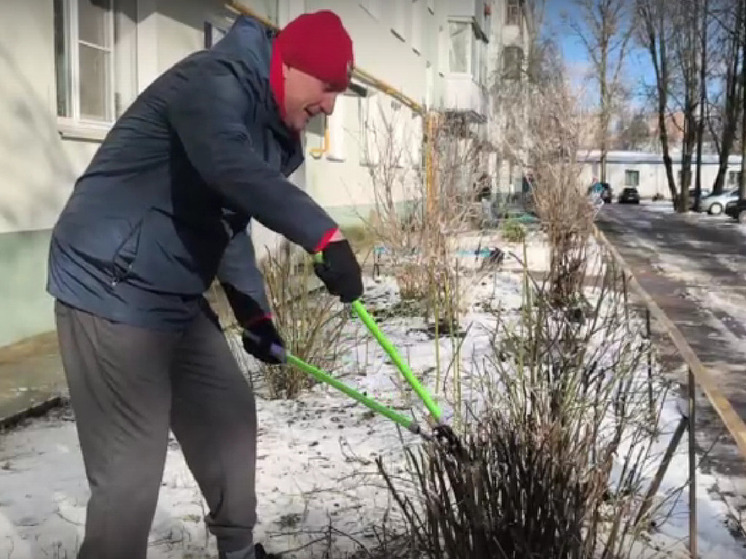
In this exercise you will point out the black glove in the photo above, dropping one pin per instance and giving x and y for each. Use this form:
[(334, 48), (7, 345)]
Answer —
[(259, 332), (340, 271), (259, 336)]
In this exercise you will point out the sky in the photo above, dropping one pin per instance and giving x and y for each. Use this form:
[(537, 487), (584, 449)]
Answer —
[(637, 70)]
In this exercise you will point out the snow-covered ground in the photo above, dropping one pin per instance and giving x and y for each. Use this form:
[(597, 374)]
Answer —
[(315, 456)]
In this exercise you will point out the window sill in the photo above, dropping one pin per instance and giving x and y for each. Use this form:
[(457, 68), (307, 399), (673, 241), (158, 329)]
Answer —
[(78, 131), (399, 35)]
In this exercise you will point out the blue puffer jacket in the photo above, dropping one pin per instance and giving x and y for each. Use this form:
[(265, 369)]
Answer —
[(163, 208)]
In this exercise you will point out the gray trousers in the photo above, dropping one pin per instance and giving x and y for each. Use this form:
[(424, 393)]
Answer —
[(128, 386)]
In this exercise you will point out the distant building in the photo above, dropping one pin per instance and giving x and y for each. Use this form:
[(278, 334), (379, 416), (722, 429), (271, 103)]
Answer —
[(646, 172)]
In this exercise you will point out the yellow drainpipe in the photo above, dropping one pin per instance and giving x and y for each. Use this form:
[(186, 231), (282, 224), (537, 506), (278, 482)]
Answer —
[(318, 152)]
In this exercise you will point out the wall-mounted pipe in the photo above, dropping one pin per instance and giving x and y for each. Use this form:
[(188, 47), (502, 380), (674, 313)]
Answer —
[(318, 152)]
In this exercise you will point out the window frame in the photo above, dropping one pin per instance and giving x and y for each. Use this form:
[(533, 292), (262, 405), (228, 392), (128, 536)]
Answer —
[(124, 69), (469, 47), (416, 27), (399, 19), (632, 173), (512, 12), (72, 42), (372, 7), (508, 73)]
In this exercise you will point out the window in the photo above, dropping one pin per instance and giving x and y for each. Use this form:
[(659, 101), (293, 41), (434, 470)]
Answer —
[(336, 124), (512, 62), (631, 178), (399, 26), (95, 65), (475, 58), (513, 12), (213, 34), (372, 7), (460, 45), (734, 178), (417, 26), (371, 129)]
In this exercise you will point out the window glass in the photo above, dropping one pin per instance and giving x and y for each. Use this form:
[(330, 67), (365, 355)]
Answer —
[(94, 84), (93, 22), (460, 48)]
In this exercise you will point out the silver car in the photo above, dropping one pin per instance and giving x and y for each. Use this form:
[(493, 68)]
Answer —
[(715, 203)]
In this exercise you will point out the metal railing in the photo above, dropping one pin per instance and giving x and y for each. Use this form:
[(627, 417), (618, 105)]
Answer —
[(698, 374)]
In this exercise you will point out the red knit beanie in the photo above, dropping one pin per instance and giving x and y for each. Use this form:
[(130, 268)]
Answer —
[(318, 44)]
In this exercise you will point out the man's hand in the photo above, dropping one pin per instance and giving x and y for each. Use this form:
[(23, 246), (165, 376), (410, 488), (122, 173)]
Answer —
[(259, 336), (340, 270)]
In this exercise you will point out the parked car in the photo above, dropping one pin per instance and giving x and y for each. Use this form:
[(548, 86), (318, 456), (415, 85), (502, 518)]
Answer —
[(630, 195), (603, 190), (714, 204), (703, 193), (737, 210)]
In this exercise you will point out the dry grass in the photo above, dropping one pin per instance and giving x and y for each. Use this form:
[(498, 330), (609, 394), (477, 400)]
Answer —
[(310, 321)]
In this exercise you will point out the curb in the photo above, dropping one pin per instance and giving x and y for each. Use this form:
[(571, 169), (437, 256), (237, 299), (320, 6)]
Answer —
[(37, 409)]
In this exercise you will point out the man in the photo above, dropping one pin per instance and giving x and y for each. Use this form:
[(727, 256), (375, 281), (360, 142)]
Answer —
[(161, 211)]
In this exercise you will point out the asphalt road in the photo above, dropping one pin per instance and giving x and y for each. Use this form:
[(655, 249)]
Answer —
[(694, 267)]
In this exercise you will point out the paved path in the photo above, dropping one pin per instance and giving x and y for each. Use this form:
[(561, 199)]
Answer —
[(694, 267)]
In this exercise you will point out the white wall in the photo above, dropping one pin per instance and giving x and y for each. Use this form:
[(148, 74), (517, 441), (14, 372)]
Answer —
[(397, 54), (653, 179), (38, 166)]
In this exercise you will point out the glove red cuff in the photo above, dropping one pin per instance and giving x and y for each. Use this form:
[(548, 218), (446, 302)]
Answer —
[(326, 239), (257, 319)]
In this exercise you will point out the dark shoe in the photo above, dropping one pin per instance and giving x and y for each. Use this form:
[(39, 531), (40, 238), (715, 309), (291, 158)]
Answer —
[(261, 554), (256, 552)]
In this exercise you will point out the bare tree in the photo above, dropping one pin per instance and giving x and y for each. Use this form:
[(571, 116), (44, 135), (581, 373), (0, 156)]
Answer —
[(728, 16), (703, 52), (685, 56), (604, 27), (742, 185), (634, 132), (654, 33)]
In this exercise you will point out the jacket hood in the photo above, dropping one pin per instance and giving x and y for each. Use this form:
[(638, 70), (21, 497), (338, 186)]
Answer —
[(247, 48), (248, 42)]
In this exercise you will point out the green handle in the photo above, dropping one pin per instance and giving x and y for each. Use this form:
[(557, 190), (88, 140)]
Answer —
[(396, 358), (392, 353), (362, 398)]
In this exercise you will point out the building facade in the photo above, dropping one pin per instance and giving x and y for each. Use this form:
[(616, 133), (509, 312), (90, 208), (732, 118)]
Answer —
[(76, 65), (646, 171)]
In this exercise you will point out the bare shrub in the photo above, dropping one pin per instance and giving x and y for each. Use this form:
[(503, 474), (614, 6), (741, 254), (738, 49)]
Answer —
[(558, 445), (419, 236), (310, 321), (541, 125)]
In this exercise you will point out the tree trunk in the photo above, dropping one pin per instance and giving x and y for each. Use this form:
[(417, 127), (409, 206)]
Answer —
[(702, 98), (733, 92), (653, 18), (742, 186), (604, 104), (686, 51)]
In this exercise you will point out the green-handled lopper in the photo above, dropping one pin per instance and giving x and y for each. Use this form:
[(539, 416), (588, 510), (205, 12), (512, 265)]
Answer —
[(440, 430)]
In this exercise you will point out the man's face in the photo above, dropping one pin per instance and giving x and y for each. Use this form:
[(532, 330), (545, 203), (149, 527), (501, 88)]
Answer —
[(305, 97)]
